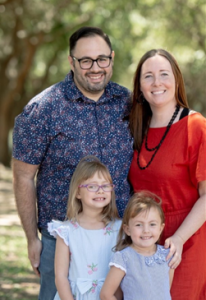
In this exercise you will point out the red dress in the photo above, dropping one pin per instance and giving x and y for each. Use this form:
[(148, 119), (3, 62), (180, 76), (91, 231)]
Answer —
[(174, 173)]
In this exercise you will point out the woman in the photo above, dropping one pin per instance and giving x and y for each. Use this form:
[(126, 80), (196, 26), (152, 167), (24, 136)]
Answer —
[(170, 161)]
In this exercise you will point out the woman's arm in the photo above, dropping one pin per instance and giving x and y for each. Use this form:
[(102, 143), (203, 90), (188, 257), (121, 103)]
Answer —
[(62, 270), (194, 220), (111, 284)]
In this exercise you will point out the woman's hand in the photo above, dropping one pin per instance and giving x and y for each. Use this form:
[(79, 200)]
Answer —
[(175, 243), (196, 217)]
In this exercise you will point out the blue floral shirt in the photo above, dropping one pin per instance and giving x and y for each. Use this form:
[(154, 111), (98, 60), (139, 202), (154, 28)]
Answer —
[(60, 126)]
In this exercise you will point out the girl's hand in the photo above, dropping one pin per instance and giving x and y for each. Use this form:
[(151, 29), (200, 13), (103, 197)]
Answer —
[(175, 243)]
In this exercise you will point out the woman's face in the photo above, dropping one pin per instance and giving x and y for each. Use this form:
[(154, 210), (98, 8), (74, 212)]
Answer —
[(157, 81)]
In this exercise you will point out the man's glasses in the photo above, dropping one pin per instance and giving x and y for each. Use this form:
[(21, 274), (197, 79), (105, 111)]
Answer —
[(87, 62), (95, 187)]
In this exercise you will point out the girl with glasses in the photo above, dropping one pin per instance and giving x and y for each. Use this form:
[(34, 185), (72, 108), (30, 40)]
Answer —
[(139, 264), (85, 239)]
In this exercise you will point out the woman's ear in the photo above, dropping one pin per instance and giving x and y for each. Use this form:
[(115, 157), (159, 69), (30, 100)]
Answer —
[(126, 229), (162, 227)]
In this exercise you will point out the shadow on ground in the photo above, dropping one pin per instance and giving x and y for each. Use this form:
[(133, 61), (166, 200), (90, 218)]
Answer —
[(17, 280)]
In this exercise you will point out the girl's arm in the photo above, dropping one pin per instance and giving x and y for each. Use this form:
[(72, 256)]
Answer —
[(111, 284), (62, 270), (171, 276), (194, 220), (119, 294)]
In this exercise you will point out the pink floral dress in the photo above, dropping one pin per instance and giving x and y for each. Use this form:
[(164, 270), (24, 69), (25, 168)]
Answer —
[(90, 254)]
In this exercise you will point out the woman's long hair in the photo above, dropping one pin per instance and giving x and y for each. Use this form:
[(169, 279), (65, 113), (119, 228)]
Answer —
[(140, 202), (86, 168), (141, 113)]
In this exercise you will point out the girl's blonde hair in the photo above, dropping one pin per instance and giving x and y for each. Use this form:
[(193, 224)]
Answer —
[(140, 202), (86, 168)]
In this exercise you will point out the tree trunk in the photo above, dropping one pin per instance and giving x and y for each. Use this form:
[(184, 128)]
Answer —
[(5, 152)]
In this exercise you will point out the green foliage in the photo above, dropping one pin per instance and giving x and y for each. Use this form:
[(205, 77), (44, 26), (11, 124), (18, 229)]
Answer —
[(34, 38)]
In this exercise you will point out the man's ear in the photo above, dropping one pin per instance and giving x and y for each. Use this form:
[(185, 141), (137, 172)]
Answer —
[(112, 55), (71, 62), (126, 229)]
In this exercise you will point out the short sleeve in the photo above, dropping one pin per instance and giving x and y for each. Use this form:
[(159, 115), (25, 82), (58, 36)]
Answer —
[(61, 229), (197, 147), (201, 162), (118, 260), (30, 133)]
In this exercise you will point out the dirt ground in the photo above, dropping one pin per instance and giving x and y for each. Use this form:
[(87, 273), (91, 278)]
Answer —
[(14, 283), (8, 214)]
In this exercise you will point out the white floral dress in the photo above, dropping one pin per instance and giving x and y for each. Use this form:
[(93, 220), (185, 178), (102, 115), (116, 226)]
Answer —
[(90, 254)]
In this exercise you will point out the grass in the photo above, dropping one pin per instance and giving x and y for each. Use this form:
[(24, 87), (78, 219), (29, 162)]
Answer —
[(17, 280)]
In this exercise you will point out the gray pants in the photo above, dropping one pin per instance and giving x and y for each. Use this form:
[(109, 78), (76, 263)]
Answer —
[(46, 268)]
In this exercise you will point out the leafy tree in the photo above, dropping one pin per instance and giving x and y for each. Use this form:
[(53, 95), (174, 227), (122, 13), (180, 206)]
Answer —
[(34, 45), (179, 27)]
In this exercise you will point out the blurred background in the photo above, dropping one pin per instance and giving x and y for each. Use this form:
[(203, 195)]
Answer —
[(34, 37)]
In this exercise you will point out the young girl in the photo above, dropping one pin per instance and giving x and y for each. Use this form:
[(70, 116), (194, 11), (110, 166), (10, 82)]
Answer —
[(139, 265), (85, 241)]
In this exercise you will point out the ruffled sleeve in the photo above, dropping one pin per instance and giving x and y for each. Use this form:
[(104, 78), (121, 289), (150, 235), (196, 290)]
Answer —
[(118, 261), (61, 229)]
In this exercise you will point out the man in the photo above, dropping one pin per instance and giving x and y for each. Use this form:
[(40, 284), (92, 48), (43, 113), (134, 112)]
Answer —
[(84, 114)]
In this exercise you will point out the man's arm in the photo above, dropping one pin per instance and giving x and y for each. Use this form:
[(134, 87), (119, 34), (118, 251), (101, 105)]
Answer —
[(25, 195)]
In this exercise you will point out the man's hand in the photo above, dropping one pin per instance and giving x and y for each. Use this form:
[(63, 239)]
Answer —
[(34, 252)]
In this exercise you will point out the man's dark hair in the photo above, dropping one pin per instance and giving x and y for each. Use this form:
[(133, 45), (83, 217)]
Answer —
[(87, 32)]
